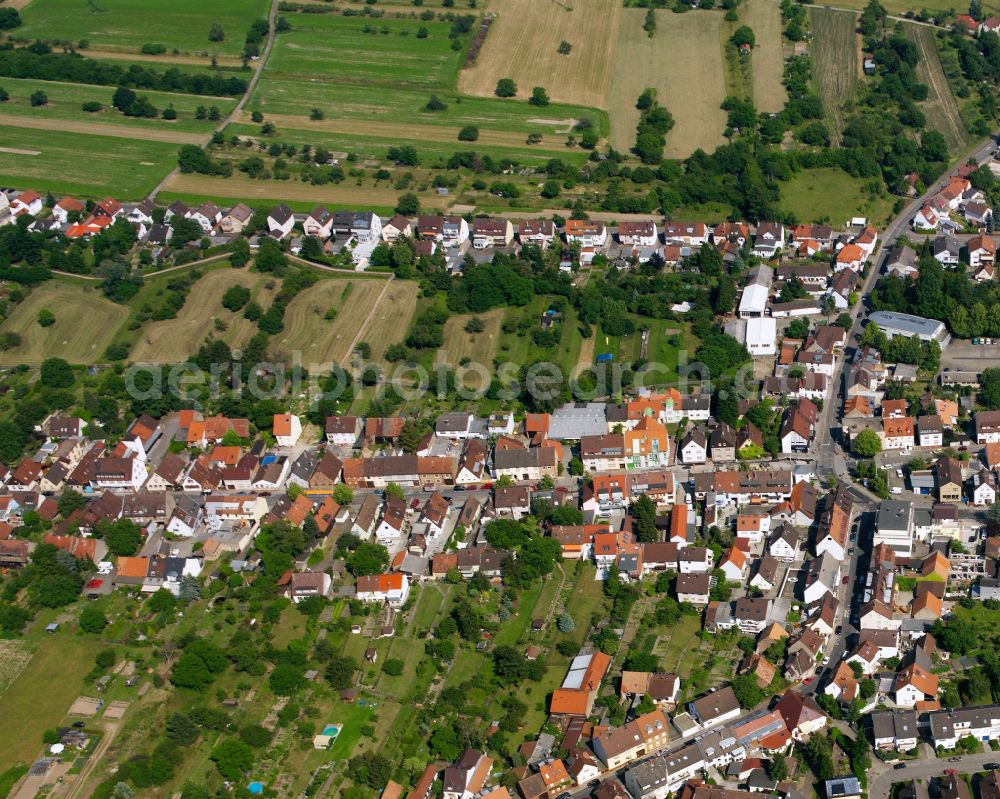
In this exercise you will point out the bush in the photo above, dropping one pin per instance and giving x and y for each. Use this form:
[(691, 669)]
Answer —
[(468, 133), (235, 298), (92, 107), (39, 98), (506, 88)]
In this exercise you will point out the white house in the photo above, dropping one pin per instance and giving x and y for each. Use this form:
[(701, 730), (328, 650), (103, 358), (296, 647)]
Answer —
[(984, 490), (761, 335), (27, 202), (207, 215), (319, 223), (391, 588), (694, 446), (287, 428), (639, 234), (280, 221)]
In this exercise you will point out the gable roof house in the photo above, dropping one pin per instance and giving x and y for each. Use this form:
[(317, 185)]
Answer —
[(491, 232), (280, 221), (318, 223)]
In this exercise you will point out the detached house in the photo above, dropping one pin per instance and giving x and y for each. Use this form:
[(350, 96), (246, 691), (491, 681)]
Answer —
[(798, 426), (319, 223), (982, 251), (280, 221), (207, 216), (236, 219), (343, 431), (287, 429), (395, 228), (27, 202), (897, 433), (586, 233), (541, 232), (491, 232), (639, 234)]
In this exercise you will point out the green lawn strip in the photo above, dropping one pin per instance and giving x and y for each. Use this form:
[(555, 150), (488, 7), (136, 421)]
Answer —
[(831, 194), (362, 49), (194, 200), (429, 152), (282, 94), (182, 24), (83, 164), (65, 101)]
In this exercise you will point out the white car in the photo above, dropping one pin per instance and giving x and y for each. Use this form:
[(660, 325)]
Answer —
[(899, 473), (895, 490)]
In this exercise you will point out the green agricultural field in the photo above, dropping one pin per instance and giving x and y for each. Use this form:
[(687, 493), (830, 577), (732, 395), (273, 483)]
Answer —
[(82, 164), (128, 24), (835, 62), (941, 107), (376, 146), (282, 95), (833, 195), (66, 99), (365, 50)]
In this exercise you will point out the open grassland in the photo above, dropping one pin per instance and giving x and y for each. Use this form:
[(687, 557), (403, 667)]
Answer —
[(831, 195), (85, 324), (110, 129), (360, 314), (128, 24), (277, 94), (225, 190), (683, 62), (81, 163), (65, 100), (390, 320), (365, 51), (173, 340), (767, 59), (523, 44), (419, 132), (940, 106), (39, 698), (478, 347), (835, 62), (430, 152)]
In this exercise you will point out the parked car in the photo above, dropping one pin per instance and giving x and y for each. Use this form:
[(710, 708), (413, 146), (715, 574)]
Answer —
[(899, 766), (954, 759), (899, 473), (991, 766)]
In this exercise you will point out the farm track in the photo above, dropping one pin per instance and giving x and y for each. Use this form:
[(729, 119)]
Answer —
[(101, 129), (251, 85)]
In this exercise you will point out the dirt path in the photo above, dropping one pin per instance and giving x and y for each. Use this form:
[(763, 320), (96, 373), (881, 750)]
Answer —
[(76, 789), (196, 60), (364, 327), (101, 129), (586, 357)]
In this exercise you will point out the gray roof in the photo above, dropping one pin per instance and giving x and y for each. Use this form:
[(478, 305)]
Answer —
[(943, 722), (572, 421), (894, 514), (899, 724), (842, 786), (905, 323)]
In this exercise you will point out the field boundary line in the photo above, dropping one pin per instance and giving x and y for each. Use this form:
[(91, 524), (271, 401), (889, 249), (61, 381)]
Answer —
[(364, 327)]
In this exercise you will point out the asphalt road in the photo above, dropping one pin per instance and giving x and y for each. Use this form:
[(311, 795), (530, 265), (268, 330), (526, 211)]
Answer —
[(881, 776)]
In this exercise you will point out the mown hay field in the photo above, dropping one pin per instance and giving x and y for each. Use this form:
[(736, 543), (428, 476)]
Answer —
[(835, 63), (940, 107), (86, 322), (523, 44), (767, 59), (174, 340), (478, 347), (683, 62), (360, 316)]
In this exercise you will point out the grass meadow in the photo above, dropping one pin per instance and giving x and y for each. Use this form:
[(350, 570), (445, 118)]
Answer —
[(83, 164), (835, 63), (66, 99), (941, 108), (833, 195), (128, 24), (86, 322), (683, 62)]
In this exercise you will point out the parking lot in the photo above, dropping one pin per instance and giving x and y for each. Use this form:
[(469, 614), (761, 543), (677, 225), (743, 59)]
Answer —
[(963, 355)]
